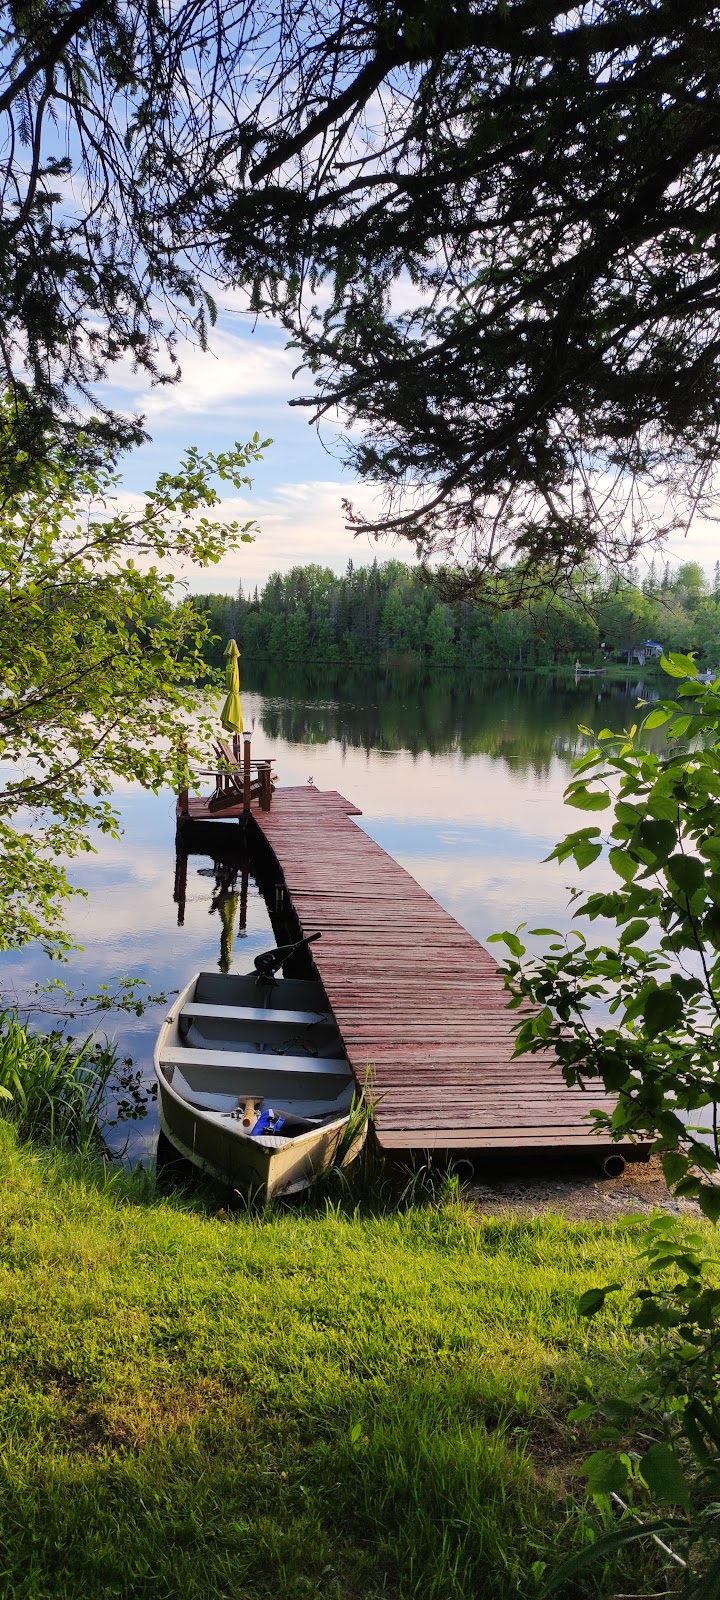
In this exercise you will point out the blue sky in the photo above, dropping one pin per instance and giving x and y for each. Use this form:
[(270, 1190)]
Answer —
[(240, 385)]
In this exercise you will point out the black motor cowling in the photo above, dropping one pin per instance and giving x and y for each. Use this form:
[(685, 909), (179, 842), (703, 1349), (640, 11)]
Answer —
[(270, 961)]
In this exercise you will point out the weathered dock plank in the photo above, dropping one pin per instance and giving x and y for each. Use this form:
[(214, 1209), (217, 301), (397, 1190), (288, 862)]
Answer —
[(419, 1003)]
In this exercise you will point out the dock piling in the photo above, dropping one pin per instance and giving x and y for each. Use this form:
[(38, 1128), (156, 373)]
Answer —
[(247, 783)]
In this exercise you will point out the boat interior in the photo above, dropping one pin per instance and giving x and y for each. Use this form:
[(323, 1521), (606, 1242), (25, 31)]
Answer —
[(255, 1052)]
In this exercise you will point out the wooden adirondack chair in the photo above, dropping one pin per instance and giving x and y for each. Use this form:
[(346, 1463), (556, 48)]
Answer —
[(230, 780)]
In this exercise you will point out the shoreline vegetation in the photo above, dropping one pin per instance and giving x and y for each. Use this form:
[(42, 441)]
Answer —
[(345, 1404), (389, 614)]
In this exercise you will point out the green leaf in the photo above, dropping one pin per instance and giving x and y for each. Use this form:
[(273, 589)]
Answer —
[(585, 853), (664, 1476), (687, 872), (627, 813), (634, 930), (582, 1413), (588, 799), (659, 837), (687, 987), (703, 1419), (593, 1300), (680, 727), (617, 1410), (569, 844), (674, 1167), (510, 939), (679, 666), (663, 1009), (623, 864), (657, 718), (662, 804), (709, 1201), (711, 926), (605, 1473)]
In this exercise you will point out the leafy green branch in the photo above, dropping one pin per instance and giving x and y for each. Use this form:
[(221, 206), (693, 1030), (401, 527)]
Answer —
[(658, 1455), (640, 1013), (102, 670)]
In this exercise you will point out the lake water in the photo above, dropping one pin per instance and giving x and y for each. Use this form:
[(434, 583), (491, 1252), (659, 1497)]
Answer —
[(459, 777)]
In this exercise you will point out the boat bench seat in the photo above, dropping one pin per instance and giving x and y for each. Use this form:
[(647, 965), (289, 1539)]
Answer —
[(255, 1060), (212, 1013)]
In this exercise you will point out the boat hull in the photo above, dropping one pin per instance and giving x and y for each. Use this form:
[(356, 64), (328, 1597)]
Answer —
[(247, 1165), (266, 1168)]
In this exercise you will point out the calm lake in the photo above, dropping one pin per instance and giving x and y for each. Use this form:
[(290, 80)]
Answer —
[(459, 777)]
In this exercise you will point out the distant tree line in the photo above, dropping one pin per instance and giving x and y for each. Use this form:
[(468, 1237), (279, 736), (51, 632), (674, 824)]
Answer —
[(389, 610)]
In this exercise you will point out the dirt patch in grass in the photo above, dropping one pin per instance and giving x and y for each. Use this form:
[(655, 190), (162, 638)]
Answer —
[(575, 1189)]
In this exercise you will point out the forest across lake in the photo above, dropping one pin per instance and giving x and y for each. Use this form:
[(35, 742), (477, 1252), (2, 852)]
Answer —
[(388, 611)]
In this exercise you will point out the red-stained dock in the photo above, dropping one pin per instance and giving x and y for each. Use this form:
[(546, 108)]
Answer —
[(419, 1003)]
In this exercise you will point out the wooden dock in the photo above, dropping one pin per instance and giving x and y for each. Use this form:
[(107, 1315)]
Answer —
[(419, 1003)]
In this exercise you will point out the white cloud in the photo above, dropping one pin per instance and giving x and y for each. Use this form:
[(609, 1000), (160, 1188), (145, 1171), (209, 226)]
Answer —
[(244, 381), (245, 361), (702, 544), (298, 523), (235, 368)]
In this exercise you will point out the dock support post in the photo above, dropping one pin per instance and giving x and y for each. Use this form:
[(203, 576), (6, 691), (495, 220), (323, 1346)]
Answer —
[(183, 776), (246, 772), (265, 776)]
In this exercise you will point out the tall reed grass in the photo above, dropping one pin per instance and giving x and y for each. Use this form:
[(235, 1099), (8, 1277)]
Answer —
[(53, 1089)]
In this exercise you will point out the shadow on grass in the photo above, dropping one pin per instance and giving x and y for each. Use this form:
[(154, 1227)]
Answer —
[(403, 1491), (341, 1407)]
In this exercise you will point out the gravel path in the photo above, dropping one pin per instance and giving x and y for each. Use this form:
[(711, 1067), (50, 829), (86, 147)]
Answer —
[(579, 1191)]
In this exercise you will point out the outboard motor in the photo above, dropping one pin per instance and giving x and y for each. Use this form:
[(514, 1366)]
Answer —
[(271, 961)]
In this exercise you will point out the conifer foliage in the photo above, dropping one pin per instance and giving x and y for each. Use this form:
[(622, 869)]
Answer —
[(512, 210), (389, 610)]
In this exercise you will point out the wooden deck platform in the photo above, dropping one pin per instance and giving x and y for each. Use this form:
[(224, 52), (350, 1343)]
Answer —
[(200, 810), (419, 1003)]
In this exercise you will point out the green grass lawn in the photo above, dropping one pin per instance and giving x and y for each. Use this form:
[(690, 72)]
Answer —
[(286, 1406)]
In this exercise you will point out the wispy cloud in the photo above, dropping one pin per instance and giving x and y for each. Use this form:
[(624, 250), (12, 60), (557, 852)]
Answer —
[(244, 382), (235, 368), (297, 523)]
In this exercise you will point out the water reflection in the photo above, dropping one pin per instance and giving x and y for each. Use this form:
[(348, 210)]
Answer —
[(230, 880), (525, 720), (157, 916)]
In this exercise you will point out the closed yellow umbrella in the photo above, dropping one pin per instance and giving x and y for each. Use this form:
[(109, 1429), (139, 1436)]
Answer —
[(231, 715)]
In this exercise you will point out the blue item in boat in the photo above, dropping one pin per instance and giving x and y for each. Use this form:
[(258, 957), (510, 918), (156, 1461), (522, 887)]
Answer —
[(267, 1122)]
